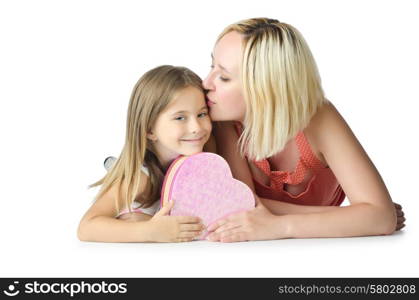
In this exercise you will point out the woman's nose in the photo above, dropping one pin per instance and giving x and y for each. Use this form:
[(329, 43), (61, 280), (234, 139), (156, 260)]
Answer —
[(207, 83)]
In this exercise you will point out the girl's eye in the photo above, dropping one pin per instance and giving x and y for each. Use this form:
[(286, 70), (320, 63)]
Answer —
[(180, 118), (212, 66), (201, 115), (224, 79)]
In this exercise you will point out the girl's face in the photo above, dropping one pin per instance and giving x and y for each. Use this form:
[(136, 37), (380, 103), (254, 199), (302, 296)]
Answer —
[(183, 127), (225, 97)]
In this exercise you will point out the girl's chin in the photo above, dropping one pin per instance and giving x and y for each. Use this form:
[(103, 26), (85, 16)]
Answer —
[(189, 153)]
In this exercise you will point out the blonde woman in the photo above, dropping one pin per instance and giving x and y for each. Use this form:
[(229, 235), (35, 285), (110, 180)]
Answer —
[(284, 139), (167, 117)]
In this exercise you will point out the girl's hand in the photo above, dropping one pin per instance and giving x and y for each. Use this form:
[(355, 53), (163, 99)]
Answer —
[(400, 216), (167, 228), (134, 217), (256, 224)]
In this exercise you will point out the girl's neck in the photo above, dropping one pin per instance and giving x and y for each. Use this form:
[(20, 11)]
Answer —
[(166, 160), (165, 164)]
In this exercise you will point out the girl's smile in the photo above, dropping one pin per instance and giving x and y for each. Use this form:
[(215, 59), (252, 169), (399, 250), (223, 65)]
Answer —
[(183, 127)]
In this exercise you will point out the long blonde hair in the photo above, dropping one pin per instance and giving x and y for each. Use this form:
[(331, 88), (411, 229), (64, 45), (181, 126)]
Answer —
[(281, 85), (152, 93)]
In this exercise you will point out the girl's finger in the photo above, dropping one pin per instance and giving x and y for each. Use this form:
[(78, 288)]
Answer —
[(188, 220), (191, 227), (400, 213), (165, 209), (190, 234), (183, 240)]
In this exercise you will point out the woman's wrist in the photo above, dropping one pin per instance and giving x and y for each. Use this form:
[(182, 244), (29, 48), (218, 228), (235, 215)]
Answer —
[(283, 227)]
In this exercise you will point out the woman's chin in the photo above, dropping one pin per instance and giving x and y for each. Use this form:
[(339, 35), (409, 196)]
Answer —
[(223, 117)]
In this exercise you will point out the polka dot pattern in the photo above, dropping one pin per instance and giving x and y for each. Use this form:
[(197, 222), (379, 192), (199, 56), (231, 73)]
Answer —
[(306, 162), (322, 189)]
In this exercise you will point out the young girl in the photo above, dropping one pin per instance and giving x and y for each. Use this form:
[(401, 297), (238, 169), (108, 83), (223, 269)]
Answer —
[(167, 117), (298, 153)]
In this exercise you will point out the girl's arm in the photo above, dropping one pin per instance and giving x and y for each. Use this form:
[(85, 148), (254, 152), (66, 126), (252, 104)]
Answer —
[(100, 225), (371, 211)]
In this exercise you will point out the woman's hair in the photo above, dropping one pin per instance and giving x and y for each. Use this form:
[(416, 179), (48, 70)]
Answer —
[(281, 85), (150, 96)]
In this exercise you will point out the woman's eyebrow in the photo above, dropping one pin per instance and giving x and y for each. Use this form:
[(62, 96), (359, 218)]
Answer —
[(221, 67)]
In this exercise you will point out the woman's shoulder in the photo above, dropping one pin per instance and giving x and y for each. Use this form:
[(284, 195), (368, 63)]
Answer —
[(324, 126), (211, 144), (326, 114)]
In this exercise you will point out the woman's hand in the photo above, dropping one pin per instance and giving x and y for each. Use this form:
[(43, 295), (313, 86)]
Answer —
[(256, 224), (400, 216), (165, 228)]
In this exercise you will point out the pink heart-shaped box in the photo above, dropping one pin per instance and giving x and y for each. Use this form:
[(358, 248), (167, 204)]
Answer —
[(202, 185)]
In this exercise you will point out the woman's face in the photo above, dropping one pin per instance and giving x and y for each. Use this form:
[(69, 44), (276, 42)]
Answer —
[(225, 97)]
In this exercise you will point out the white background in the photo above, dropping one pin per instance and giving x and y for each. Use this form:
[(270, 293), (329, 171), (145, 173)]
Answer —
[(66, 73)]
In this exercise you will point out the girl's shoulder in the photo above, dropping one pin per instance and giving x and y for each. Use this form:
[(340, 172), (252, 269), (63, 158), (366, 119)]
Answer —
[(110, 161), (145, 170)]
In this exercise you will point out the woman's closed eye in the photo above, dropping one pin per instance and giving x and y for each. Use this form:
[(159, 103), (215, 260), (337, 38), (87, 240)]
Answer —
[(222, 78)]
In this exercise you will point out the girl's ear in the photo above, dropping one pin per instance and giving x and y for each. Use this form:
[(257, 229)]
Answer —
[(151, 136)]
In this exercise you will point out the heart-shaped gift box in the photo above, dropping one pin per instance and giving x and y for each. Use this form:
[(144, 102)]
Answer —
[(202, 185)]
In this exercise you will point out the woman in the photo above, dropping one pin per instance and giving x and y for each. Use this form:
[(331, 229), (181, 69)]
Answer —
[(288, 143)]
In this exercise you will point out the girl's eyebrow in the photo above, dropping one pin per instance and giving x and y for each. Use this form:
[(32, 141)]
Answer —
[(185, 111), (221, 67)]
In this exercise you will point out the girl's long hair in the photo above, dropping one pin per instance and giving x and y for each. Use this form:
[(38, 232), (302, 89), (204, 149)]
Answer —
[(281, 85), (150, 96)]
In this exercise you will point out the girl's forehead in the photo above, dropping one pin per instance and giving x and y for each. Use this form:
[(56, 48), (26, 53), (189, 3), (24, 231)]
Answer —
[(187, 99)]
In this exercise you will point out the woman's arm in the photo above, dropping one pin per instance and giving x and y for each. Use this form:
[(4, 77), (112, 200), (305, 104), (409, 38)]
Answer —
[(371, 211), (281, 208)]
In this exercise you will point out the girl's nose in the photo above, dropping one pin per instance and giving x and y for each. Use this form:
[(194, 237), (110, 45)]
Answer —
[(195, 126)]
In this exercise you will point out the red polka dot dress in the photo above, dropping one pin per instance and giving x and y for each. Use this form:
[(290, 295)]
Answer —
[(322, 187)]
